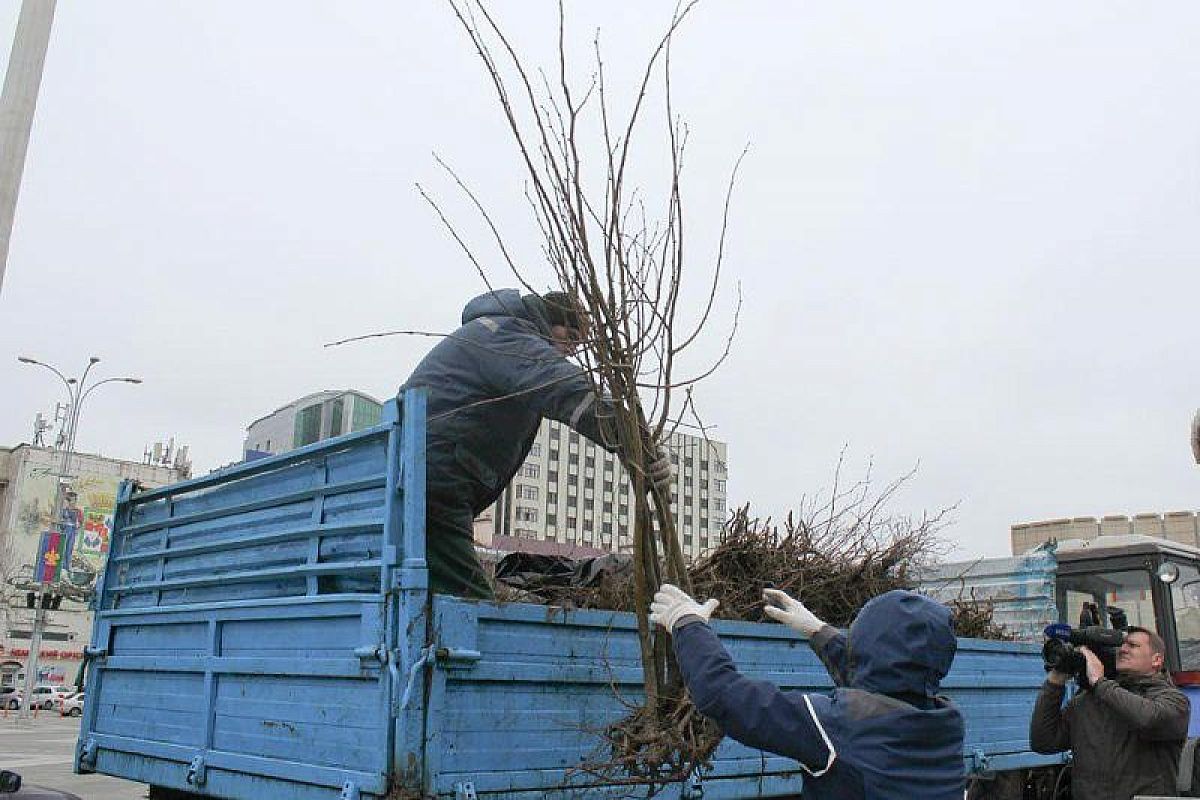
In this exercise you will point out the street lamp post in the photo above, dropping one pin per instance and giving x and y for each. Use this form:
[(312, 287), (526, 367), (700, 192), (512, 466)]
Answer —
[(77, 392)]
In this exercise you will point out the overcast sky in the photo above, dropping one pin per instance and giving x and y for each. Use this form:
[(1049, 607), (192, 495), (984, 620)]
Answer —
[(966, 233)]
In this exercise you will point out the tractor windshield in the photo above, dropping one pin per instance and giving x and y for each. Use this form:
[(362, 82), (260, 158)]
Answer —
[(1113, 599)]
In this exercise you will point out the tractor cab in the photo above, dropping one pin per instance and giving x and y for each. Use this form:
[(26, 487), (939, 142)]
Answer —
[(1138, 581)]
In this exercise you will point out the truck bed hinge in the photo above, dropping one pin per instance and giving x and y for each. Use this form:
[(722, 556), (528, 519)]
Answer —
[(979, 761), (464, 791), (197, 773), (349, 791), (86, 760)]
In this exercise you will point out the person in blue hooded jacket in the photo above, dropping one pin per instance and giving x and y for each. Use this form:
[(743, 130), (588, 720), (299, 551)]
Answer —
[(883, 733), (490, 383)]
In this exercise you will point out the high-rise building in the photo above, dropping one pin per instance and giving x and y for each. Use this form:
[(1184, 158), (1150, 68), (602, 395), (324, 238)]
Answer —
[(570, 496), (320, 415), (573, 495)]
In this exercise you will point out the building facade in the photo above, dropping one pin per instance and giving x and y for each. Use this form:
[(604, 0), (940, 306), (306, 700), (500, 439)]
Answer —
[(310, 419), (30, 480), (570, 497), (574, 497), (1178, 526)]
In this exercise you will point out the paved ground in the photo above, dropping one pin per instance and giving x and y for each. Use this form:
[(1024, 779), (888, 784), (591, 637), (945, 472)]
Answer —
[(41, 752)]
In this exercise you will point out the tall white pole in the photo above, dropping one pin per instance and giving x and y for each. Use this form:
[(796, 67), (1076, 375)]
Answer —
[(17, 103)]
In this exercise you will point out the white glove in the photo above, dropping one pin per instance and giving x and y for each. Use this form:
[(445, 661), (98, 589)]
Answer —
[(658, 469), (672, 604), (791, 612)]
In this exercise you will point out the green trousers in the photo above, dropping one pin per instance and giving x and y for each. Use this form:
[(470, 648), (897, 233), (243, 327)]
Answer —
[(450, 553)]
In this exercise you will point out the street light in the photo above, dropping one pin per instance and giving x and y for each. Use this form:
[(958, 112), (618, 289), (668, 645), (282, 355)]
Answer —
[(77, 392)]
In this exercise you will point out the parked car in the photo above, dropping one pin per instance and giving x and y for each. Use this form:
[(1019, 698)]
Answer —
[(47, 697), (10, 697), (72, 706)]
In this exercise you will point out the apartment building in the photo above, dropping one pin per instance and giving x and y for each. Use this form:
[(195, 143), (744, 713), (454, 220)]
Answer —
[(574, 494)]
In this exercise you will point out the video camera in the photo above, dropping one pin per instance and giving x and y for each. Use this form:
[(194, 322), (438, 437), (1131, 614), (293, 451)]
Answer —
[(1061, 650)]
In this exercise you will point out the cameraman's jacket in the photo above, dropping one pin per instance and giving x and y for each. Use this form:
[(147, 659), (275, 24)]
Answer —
[(882, 734), (1126, 735)]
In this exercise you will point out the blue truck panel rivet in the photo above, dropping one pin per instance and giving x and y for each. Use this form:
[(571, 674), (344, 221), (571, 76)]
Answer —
[(349, 791), (464, 791)]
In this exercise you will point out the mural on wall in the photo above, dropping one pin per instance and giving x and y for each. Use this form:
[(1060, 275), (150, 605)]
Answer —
[(73, 551)]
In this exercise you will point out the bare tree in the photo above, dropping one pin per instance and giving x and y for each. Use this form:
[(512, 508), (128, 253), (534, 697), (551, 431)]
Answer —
[(626, 264)]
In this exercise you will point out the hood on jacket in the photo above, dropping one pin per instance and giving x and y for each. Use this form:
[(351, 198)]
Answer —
[(508, 303), (901, 643)]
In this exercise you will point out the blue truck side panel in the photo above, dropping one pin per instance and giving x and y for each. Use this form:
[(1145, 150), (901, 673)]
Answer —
[(267, 632)]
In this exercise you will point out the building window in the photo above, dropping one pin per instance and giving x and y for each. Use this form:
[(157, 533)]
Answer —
[(526, 514), (551, 498), (308, 426), (606, 528), (587, 526), (552, 476), (719, 504), (530, 470), (721, 468), (335, 417), (674, 459), (589, 483), (687, 540), (688, 500), (719, 485), (608, 487), (607, 507), (551, 520), (623, 510), (573, 437), (536, 449), (573, 479), (687, 461), (527, 492), (366, 414), (573, 458), (590, 461)]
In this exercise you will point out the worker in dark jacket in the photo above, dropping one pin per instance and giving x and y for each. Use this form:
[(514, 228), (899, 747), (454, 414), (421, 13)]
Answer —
[(490, 383), (884, 733), (1125, 734)]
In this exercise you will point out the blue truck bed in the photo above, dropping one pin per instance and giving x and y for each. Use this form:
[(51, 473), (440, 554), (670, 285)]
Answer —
[(267, 632)]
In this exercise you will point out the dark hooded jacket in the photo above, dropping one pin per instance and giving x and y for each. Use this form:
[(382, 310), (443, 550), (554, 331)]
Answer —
[(490, 384), (1125, 735), (883, 733)]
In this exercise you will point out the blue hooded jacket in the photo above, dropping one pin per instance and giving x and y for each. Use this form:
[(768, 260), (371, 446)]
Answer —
[(883, 734), (490, 383)]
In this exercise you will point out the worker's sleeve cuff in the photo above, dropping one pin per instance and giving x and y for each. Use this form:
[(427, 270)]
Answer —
[(822, 637), (688, 619)]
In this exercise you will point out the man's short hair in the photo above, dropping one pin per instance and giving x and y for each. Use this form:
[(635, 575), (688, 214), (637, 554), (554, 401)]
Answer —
[(1157, 645), (562, 309)]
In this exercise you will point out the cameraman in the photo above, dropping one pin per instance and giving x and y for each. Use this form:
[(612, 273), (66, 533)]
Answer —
[(1126, 734)]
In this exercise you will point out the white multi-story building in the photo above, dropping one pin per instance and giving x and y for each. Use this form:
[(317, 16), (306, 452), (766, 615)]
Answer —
[(570, 496), (574, 496), (310, 419)]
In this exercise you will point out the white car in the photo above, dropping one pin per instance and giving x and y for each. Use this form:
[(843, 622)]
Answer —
[(72, 706), (47, 697), (10, 697)]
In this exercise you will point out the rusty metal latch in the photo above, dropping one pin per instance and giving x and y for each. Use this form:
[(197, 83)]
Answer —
[(464, 791)]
